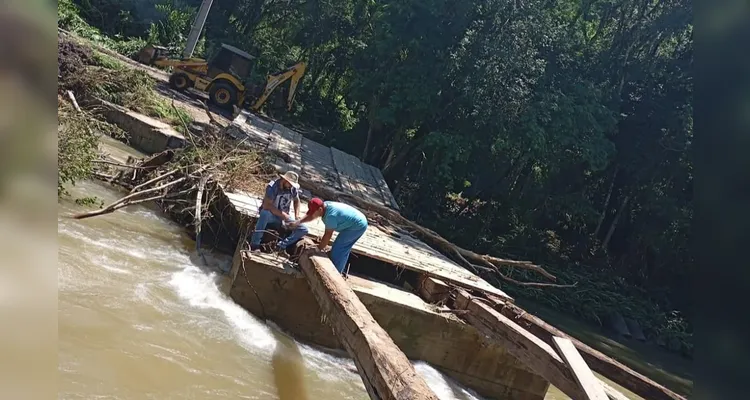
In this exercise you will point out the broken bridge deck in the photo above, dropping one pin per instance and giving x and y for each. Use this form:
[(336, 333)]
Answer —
[(346, 173), (385, 244), (315, 162)]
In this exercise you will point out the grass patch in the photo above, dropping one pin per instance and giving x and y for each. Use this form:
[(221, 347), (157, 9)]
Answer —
[(106, 61), (134, 89), (92, 74)]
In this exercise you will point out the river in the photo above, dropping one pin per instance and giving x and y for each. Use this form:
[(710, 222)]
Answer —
[(141, 318)]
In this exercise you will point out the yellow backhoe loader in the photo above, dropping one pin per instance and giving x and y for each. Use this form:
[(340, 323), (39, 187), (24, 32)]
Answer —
[(221, 76)]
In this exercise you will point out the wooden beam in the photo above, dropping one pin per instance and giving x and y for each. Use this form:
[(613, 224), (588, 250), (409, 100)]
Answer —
[(527, 348), (385, 370), (433, 290), (583, 375), (596, 360)]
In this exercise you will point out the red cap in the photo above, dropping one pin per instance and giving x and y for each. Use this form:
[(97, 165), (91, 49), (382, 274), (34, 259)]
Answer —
[(314, 205)]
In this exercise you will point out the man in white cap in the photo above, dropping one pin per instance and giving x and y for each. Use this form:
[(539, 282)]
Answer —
[(275, 210)]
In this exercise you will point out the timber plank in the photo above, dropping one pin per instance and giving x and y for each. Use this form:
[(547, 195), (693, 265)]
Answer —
[(529, 349), (585, 378), (433, 290), (368, 186), (317, 164), (344, 167), (287, 142), (314, 161), (385, 370), (598, 361), (352, 172), (383, 186)]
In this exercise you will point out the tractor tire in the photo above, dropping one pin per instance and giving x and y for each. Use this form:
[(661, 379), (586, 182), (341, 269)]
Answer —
[(223, 94), (179, 81)]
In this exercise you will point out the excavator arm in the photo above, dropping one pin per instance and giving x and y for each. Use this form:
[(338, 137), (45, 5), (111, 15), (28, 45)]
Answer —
[(295, 73)]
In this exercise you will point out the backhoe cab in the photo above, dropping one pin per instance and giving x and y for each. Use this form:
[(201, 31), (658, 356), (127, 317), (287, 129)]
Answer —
[(221, 76)]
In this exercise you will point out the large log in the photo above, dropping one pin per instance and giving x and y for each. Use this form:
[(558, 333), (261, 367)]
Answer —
[(385, 370), (527, 348), (596, 360)]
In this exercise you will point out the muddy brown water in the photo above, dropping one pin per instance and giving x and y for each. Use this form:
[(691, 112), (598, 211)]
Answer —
[(140, 316)]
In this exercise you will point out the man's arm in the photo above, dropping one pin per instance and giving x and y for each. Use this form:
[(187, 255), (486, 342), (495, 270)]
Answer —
[(325, 239)]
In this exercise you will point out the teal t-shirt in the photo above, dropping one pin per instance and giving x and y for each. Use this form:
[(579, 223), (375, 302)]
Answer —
[(340, 217)]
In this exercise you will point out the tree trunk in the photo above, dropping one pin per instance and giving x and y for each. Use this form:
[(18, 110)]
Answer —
[(373, 125), (385, 370), (524, 177), (396, 159), (606, 203), (612, 227)]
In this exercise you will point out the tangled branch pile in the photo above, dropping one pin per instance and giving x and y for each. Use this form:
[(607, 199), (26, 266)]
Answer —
[(94, 76), (173, 178)]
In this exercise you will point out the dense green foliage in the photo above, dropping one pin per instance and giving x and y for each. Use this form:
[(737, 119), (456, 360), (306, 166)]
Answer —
[(557, 131), (76, 148)]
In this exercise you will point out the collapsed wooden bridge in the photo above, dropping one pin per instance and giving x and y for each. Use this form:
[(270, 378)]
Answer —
[(454, 293), (402, 300)]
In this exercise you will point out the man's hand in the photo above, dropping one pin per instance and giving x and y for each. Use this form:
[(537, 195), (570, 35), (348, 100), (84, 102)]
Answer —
[(284, 216), (324, 249), (292, 225)]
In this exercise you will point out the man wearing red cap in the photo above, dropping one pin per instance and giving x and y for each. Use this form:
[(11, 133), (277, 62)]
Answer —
[(349, 222)]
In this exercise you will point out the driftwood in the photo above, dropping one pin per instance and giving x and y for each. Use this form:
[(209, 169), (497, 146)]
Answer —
[(527, 348), (150, 164), (385, 370), (466, 257), (154, 180), (117, 164), (210, 116), (596, 360), (130, 200), (198, 219), (73, 100)]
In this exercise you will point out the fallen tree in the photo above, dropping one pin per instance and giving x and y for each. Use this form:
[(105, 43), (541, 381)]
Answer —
[(467, 258), (183, 182)]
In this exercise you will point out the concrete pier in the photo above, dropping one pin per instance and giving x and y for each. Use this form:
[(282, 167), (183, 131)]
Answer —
[(271, 288)]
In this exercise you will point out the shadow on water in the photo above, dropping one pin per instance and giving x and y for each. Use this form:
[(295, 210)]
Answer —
[(288, 369)]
